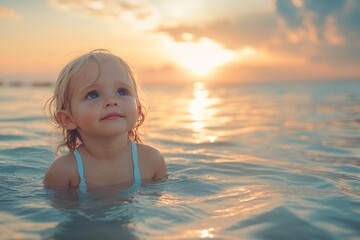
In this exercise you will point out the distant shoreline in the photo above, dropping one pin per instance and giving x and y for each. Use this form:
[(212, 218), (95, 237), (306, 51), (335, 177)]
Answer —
[(25, 84), (18, 83)]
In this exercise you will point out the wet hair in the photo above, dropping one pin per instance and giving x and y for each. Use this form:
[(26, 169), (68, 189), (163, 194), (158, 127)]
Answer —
[(61, 99)]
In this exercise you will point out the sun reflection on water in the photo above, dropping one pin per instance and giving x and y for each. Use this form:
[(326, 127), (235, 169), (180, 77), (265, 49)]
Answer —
[(201, 113)]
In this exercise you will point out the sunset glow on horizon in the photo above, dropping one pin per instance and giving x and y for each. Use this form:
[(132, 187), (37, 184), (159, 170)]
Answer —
[(200, 57), (275, 40)]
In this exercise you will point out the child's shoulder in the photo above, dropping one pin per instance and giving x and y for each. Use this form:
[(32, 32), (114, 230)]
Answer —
[(148, 151), (61, 170), (65, 161), (151, 155), (151, 158)]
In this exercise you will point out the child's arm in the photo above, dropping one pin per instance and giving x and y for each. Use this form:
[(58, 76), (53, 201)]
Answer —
[(59, 172), (160, 166)]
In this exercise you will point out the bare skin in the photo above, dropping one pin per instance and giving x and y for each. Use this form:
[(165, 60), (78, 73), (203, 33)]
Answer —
[(112, 171)]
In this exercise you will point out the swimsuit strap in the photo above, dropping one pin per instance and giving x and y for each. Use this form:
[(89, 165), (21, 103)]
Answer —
[(82, 185), (137, 176)]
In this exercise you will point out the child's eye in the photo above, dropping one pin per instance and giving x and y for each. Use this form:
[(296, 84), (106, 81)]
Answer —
[(92, 95), (121, 92)]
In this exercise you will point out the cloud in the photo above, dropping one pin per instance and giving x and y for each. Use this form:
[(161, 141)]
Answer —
[(330, 28), (9, 13), (321, 16), (323, 31), (138, 10), (288, 11), (233, 34), (298, 40)]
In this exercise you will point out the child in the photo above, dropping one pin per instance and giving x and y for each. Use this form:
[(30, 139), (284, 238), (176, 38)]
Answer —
[(97, 108)]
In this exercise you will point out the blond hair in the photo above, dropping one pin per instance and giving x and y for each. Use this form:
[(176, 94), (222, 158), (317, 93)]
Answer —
[(61, 99)]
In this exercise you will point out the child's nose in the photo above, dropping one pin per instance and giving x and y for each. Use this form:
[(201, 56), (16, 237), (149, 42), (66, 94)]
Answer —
[(111, 103)]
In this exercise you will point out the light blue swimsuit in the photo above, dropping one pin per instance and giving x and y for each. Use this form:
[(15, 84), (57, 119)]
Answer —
[(137, 176)]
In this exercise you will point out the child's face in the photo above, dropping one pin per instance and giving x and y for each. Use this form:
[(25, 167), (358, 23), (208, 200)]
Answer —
[(103, 106)]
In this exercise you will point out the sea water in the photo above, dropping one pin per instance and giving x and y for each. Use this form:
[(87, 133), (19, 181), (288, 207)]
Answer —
[(246, 161)]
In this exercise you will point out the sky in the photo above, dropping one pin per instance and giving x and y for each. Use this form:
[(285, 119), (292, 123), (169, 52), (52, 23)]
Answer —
[(168, 41)]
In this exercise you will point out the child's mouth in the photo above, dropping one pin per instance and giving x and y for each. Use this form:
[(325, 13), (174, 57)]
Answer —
[(112, 116)]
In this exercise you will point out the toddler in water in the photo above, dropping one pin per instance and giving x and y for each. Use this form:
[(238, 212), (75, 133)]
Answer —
[(97, 108)]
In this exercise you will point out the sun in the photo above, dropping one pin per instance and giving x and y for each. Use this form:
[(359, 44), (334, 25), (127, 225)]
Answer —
[(200, 57)]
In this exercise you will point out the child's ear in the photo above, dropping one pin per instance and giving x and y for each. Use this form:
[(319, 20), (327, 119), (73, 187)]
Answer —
[(66, 120)]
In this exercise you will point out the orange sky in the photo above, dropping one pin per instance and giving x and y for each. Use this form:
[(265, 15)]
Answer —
[(171, 40)]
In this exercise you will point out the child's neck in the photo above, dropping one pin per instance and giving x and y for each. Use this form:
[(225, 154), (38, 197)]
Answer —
[(106, 149)]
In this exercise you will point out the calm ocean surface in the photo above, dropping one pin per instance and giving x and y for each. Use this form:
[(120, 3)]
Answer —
[(267, 161)]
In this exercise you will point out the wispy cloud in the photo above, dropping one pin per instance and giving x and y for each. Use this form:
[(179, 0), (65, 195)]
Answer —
[(330, 28), (324, 22), (231, 33), (106, 8), (9, 13)]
